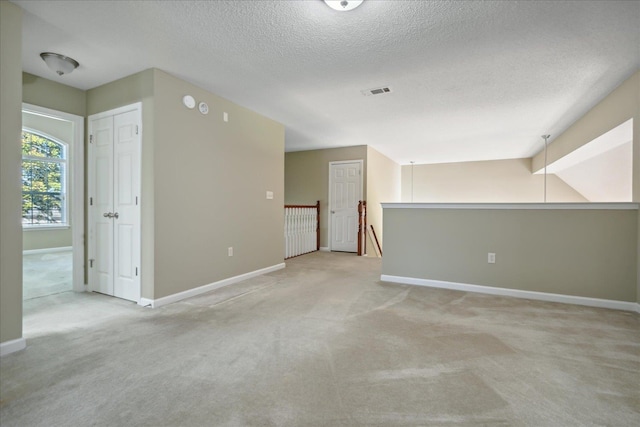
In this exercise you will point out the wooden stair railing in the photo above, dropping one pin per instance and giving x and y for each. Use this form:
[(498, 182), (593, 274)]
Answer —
[(301, 229), (362, 227)]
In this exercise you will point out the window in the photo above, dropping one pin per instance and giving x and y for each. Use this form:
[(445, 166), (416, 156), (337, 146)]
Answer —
[(44, 181)]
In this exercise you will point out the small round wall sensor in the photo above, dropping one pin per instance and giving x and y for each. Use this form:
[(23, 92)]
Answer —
[(203, 107), (188, 101)]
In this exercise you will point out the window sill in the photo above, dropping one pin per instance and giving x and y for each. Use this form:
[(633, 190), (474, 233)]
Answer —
[(45, 227)]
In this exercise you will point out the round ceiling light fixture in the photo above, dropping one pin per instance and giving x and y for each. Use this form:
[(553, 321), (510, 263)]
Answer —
[(343, 5), (59, 63)]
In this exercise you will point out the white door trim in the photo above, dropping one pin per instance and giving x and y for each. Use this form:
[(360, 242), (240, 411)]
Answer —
[(339, 162), (76, 188)]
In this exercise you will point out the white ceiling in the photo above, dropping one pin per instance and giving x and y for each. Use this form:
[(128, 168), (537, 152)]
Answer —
[(470, 80)]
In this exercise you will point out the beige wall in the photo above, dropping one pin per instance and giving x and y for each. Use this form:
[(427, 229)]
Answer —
[(617, 107), (588, 253), (383, 186), (10, 161), (306, 179), (46, 239), (54, 95), (210, 189), (495, 181), (54, 237), (138, 87)]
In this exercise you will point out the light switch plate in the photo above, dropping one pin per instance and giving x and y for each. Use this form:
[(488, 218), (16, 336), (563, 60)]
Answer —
[(269, 195)]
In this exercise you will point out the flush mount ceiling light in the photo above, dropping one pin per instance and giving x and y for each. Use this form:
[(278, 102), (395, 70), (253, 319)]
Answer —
[(343, 5), (59, 63)]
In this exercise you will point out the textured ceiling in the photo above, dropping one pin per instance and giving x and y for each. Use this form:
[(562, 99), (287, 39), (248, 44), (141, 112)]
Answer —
[(472, 80)]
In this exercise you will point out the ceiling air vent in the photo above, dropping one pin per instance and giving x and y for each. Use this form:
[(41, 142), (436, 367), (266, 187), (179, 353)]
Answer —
[(376, 91)]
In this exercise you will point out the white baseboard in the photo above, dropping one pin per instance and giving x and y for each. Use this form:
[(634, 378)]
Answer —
[(517, 293), (146, 302), (169, 299), (12, 346), (324, 249), (47, 250)]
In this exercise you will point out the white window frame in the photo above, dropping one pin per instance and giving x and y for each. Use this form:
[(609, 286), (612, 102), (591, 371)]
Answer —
[(66, 220)]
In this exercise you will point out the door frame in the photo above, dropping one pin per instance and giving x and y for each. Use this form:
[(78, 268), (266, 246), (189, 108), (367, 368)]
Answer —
[(76, 188), (339, 162), (137, 107)]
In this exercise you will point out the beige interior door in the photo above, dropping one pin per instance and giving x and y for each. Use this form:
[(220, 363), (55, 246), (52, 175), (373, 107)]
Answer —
[(345, 187)]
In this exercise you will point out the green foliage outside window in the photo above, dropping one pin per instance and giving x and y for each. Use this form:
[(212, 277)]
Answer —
[(43, 180)]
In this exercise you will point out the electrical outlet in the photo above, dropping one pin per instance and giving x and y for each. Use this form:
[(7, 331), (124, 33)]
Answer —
[(269, 195), (230, 250), (491, 258)]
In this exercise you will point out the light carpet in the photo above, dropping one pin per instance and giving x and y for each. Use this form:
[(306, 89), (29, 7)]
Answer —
[(322, 343)]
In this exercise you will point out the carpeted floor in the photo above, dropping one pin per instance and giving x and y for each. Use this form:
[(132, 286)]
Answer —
[(46, 274), (322, 343)]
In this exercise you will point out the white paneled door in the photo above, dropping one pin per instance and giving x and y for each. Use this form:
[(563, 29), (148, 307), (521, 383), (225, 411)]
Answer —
[(345, 191), (114, 203)]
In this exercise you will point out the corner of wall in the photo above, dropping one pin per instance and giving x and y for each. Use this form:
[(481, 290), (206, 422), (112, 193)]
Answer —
[(383, 185), (10, 186), (125, 91), (635, 184)]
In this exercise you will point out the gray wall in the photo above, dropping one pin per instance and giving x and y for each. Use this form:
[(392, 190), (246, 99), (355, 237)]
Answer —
[(54, 95), (619, 106), (10, 163), (211, 179), (204, 184), (307, 179), (589, 253)]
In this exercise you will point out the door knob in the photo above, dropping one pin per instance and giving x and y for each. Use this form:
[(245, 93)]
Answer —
[(107, 215), (333, 212), (116, 215)]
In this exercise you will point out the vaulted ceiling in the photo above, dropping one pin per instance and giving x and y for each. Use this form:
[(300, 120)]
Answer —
[(469, 80)]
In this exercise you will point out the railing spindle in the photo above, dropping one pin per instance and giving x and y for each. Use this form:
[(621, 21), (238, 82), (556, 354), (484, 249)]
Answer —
[(301, 229)]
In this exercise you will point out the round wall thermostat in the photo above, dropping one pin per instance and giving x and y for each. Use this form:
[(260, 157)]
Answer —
[(188, 101), (203, 107)]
